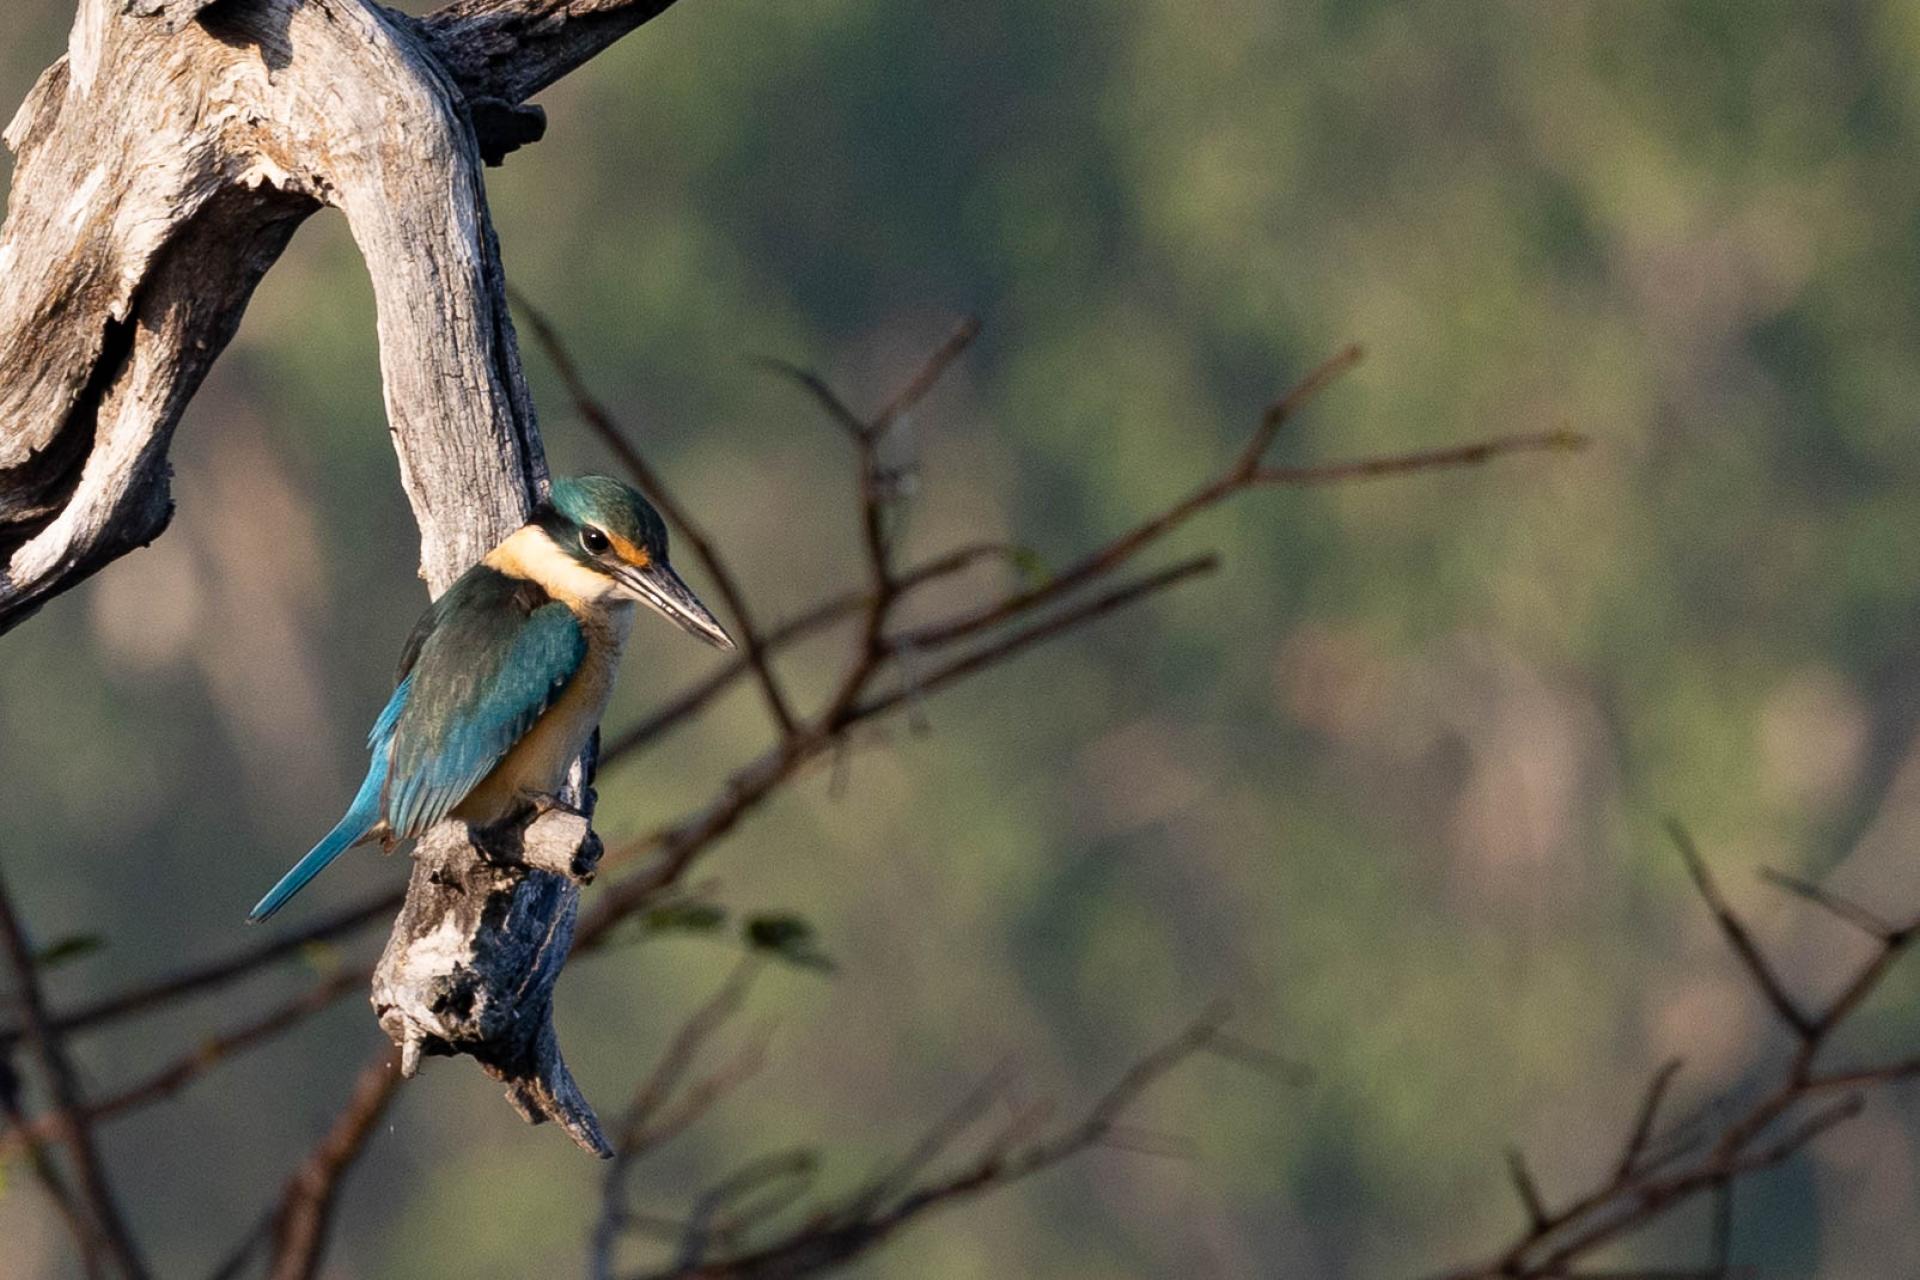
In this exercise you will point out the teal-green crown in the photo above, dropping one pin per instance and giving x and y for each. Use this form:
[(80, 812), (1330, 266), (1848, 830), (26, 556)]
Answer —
[(612, 507)]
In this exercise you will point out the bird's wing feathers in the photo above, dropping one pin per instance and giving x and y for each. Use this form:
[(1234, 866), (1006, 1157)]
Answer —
[(382, 732), (491, 655)]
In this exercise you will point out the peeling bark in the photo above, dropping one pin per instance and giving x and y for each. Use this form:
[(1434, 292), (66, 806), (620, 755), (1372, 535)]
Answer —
[(162, 166)]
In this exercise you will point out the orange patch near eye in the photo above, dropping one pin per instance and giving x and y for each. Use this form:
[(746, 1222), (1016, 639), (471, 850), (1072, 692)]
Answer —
[(633, 553)]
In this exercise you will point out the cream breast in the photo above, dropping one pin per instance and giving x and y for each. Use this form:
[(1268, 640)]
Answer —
[(537, 764)]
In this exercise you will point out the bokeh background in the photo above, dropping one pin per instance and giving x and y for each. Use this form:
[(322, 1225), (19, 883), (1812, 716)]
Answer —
[(1393, 780)]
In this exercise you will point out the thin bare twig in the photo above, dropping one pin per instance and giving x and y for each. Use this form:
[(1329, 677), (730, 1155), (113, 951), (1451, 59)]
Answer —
[(1866, 921), (1796, 1108), (1242, 475), (106, 1234), (828, 1237), (1402, 464), (257, 1236), (1629, 1162), (836, 409), (928, 376), (152, 996), (306, 1206), (715, 1219), (682, 708), (47, 1172), (921, 660), (879, 492), (971, 1109), (165, 1081), (676, 848), (638, 1129), (1526, 1188), (1738, 937), (643, 1128), (1282, 410), (597, 416)]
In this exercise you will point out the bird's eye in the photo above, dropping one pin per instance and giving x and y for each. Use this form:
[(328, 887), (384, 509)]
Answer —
[(594, 541)]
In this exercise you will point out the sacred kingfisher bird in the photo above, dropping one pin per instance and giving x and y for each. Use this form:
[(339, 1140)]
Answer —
[(506, 675)]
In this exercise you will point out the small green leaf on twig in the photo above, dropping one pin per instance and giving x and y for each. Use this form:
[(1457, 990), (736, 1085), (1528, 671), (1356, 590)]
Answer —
[(685, 917), (788, 937), (68, 949)]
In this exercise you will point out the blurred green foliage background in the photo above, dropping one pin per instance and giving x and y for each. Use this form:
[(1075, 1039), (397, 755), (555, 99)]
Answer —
[(1392, 780)]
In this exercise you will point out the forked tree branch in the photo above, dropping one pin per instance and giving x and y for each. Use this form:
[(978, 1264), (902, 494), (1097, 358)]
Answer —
[(162, 166), (91, 1209), (1664, 1166), (889, 670), (1009, 627), (729, 1234), (753, 645)]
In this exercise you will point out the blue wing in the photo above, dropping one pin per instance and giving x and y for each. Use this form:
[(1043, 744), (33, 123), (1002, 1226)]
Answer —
[(486, 659), (362, 816), (498, 652)]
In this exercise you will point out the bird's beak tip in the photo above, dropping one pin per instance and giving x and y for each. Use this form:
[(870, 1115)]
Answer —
[(709, 629), (659, 588), (701, 623)]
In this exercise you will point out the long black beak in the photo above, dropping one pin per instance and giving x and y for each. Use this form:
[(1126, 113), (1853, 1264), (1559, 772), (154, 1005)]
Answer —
[(659, 588)]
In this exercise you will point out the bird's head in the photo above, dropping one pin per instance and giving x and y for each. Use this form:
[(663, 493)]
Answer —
[(608, 529)]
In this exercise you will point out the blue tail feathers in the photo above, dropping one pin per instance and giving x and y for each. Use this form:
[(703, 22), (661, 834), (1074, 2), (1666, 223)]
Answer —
[(361, 817)]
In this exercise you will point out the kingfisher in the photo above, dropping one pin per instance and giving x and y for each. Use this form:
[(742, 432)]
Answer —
[(506, 675)]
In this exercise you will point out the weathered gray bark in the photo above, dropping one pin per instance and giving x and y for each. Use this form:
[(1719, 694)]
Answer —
[(473, 958), (162, 165)]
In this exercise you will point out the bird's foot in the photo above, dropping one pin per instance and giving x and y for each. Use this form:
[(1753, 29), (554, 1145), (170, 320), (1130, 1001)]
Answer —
[(549, 835), (585, 847), (545, 802)]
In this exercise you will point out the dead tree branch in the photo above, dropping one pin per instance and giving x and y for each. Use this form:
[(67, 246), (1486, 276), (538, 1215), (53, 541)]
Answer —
[(752, 644), (92, 1211), (1661, 1169), (879, 651), (650, 1121), (306, 1207), (888, 670), (509, 50), (163, 164), (722, 1238), (52, 1181)]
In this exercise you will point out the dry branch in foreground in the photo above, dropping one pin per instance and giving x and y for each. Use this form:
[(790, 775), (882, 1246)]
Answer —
[(890, 667)]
